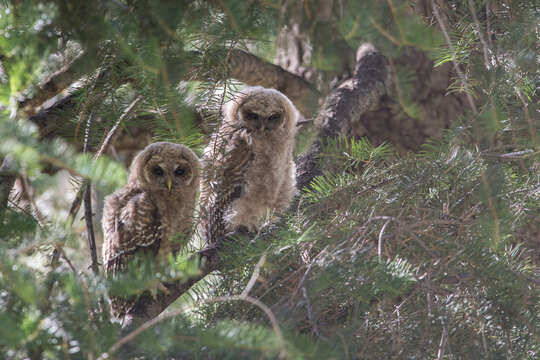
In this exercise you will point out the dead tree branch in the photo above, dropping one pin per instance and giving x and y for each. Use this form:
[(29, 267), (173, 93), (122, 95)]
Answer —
[(148, 306), (243, 66), (54, 84), (252, 70)]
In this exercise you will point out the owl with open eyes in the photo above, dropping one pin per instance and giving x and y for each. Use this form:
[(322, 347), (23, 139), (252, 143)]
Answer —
[(153, 214), (248, 167)]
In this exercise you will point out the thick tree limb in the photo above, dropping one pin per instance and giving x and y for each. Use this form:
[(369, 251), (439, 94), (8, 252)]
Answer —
[(148, 306), (343, 106), (252, 70), (243, 66)]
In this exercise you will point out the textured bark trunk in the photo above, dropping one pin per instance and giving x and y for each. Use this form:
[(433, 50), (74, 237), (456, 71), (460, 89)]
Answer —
[(387, 121)]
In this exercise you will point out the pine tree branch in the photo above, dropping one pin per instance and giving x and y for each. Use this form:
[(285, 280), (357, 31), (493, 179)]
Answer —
[(342, 107), (54, 84), (135, 331), (252, 70), (148, 306), (243, 66), (345, 105)]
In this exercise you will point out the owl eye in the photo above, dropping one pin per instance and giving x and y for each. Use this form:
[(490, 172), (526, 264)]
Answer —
[(157, 171), (252, 116), (274, 117), (179, 172)]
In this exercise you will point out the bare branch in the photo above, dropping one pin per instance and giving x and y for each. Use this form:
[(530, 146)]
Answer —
[(112, 132), (254, 276), (485, 47), (55, 83), (7, 180), (379, 246), (90, 227), (152, 322), (252, 70), (442, 343), (345, 105)]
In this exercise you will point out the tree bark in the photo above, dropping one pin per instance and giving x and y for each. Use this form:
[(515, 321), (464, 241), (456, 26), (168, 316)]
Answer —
[(352, 98), (54, 84), (7, 180), (345, 106), (251, 70), (388, 121)]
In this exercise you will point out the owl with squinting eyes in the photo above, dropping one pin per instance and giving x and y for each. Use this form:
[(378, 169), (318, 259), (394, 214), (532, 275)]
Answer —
[(248, 167)]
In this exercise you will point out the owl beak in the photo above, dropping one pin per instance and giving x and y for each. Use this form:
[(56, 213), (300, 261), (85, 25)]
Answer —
[(169, 183)]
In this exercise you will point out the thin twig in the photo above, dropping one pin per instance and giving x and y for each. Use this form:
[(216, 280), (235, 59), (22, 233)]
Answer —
[(310, 313), (379, 246), (488, 31), (460, 73), (90, 227), (112, 132), (442, 343), (517, 155), (480, 35), (254, 276), (164, 316), (76, 204)]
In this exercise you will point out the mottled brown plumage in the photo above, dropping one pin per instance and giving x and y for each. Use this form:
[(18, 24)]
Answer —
[(153, 213), (248, 167)]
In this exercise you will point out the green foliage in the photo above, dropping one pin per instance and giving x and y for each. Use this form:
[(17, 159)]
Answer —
[(450, 249), (33, 155), (23, 47), (382, 256)]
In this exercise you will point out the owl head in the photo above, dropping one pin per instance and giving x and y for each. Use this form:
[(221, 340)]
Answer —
[(165, 167), (260, 110)]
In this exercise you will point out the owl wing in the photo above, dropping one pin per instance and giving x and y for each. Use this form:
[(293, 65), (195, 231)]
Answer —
[(226, 180), (132, 224)]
